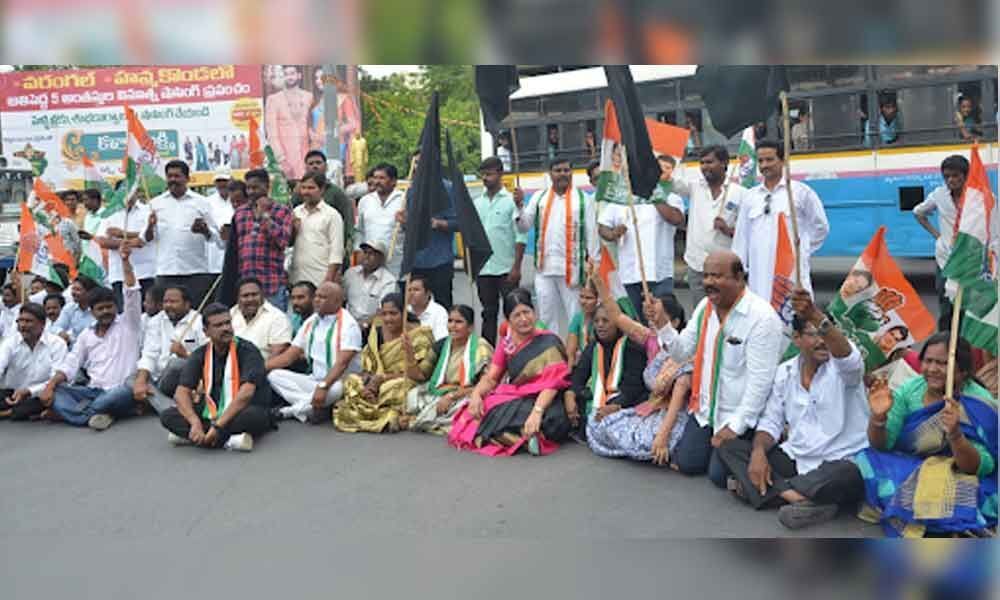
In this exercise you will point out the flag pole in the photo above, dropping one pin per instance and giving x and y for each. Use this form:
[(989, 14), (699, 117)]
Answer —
[(201, 306), (956, 313), (786, 119), (635, 226), (725, 190), (513, 147)]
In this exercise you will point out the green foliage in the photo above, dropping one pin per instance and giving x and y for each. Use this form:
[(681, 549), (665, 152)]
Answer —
[(393, 133)]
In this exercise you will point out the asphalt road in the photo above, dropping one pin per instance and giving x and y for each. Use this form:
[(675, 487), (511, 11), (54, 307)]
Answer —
[(123, 514)]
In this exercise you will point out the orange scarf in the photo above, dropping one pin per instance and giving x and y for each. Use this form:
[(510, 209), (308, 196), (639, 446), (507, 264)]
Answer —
[(699, 359), (568, 209), (231, 383)]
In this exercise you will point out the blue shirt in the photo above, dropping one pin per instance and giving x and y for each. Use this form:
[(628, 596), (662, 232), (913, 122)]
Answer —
[(73, 320), (440, 246), (887, 132)]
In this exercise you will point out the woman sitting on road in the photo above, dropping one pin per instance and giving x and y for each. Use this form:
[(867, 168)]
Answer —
[(461, 359), (931, 467), (392, 362), (527, 408), (581, 325)]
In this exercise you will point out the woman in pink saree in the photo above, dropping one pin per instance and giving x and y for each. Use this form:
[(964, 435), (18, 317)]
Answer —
[(527, 409)]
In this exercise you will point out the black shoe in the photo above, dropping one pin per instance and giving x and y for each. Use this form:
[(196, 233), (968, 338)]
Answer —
[(805, 514)]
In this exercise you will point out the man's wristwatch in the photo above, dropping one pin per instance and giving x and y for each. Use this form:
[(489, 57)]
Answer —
[(322, 386), (824, 326)]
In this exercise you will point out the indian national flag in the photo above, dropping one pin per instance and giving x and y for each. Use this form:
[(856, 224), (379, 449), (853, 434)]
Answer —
[(611, 183), (141, 163), (92, 178), (877, 308), (93, 261), (746, 174), (262, 157), (971, 264), (40, 249)]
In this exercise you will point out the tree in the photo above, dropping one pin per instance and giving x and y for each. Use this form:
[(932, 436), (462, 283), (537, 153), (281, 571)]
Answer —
[(394, 110)]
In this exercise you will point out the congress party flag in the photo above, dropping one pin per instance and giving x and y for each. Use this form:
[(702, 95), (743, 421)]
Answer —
[(972, 263), (262, 157), (877, 308), (50, 200), (784, 275), (40, 249), (608, 272), (141, 163), (93, 262), (746, 156), (92, 178)]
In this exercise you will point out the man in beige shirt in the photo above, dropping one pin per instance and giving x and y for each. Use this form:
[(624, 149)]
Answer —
[(366, 284), (258, 321), (318, 233)]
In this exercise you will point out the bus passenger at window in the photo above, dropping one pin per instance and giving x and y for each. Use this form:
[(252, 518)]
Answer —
[(694, 141), (890, 123), (800, 133), (969, 118), (503, 151), (590, 144), (553, 145)]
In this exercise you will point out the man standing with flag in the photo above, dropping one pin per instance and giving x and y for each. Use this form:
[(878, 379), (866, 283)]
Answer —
[(183, 229), (756, 236), (222, 214), (130, 226), (565, 232)]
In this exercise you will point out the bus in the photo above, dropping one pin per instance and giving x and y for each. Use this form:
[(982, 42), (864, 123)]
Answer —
[(864, 178)]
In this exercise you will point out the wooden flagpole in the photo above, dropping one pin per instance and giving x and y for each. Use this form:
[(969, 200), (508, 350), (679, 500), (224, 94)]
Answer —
[(397, 227), (956, 313), (201, 306), (635, 226), (513, 147), (786, 119)]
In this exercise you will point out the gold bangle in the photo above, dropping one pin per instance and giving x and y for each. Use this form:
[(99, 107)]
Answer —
[(538, 409)]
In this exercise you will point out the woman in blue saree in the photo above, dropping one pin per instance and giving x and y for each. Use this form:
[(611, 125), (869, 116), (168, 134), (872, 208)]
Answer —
[(931, 467)]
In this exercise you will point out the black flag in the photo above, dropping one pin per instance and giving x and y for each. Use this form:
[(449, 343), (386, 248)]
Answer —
[(495, 84), (739, 96), (643, 170), (474, 238), (427, 197), (228, 293)]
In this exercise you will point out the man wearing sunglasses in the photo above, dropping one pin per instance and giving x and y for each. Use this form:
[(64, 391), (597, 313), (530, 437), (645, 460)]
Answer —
[(756, 234)]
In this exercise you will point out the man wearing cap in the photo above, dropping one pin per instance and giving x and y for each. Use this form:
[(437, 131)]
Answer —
[(222, 214), (366, 284)]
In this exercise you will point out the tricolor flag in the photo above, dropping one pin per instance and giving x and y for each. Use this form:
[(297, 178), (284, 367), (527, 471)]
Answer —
[(971, 264), (141, 163), (784, 275), (608, 272), (93, 261), (40, 249), (877, 308), (50, 200), (746, 174), (665, 139), (92, 178)]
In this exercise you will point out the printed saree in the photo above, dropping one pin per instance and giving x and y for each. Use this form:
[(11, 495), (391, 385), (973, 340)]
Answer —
[(916, 489), (538, 364), (355, 413), (421, 401)]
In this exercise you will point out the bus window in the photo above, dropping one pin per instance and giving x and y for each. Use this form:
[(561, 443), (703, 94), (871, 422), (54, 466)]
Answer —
[(573, 142), (529, 150), (669, 116), (569, 103), (910, 196), (710, 136), (657, 94), (898, 72), (928, 113), (969, 108), (829, 121), (524, 108), (692, 121)]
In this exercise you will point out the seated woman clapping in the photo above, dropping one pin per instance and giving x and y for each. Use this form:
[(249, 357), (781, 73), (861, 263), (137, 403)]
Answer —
[(931, 467), (519, 402), (461, 359), (393, 361)]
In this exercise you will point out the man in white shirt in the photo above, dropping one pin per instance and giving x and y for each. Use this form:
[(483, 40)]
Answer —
[(657, 225), (184, 232), (756, 235), (944, 201), (317, 233), (53, 305), (330, 342), (132, 226), (27, 361), (423, 306), (819, 405), (366, 284), (10, 309), (76, 316), (171, 336), (108, 351), (562, 245), (712, 210), (258, 321), (221, 210), (741, 331), (377, 216)]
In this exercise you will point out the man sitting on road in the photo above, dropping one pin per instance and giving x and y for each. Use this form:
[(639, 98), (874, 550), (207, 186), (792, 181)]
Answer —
[(819, 398), (76, 316), (734, 339), (258, 321), (171, 336), (366, 284), (330, 341), (233, 406), (301, 297), (430, 313), (108, 352), (27, 361)]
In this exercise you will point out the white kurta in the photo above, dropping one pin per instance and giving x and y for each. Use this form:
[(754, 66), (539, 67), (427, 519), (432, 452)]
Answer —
[(555, 249), (756, 233)]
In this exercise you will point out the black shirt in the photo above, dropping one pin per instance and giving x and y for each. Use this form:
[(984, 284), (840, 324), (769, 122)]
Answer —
[(251, 365), (632, 388)]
